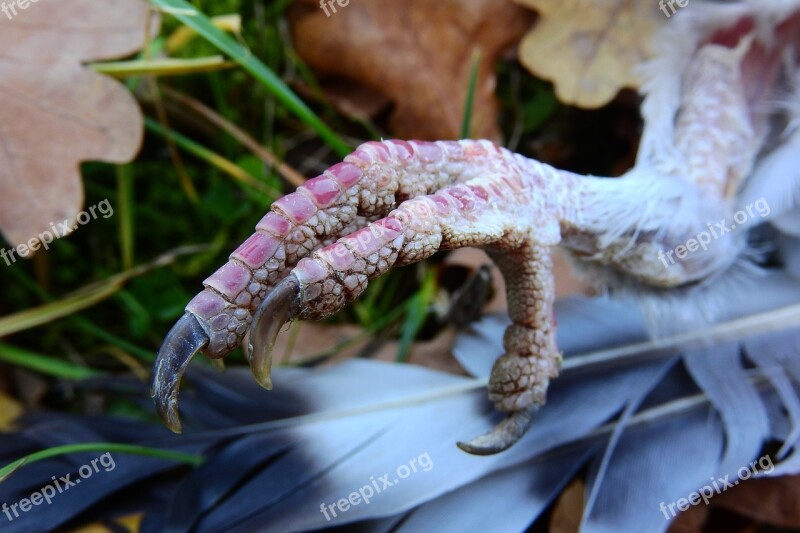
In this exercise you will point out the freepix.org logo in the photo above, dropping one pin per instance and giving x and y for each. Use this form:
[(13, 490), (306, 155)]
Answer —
[(9, 9), (58, 486), (423, 463), (329, 6), (715, 230), (59, 230)]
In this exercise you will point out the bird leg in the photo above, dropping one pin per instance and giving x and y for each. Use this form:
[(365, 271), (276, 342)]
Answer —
[(483, 212), (393, 203), (318, 248), (371, 181), (294, 266)]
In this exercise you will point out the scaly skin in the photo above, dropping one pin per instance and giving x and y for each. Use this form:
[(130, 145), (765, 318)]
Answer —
[(393, 203), (449, 194)]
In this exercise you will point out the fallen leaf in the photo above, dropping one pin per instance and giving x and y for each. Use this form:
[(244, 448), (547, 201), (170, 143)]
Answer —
[(568, 509), (10, 409), (435, 353), (774, 501), (56, 113), (416, 52), (567, 280), (589, 48), (305, 341), (690, 521), (353, 99), (129, 523)]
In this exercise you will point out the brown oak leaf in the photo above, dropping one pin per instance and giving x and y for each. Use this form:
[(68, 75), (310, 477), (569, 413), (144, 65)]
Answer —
[(773, 501), (55, 113), (416, 52), (589, 48)]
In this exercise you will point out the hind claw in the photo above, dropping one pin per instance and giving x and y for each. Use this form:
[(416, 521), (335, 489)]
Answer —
[(502, 436), (183, 341)]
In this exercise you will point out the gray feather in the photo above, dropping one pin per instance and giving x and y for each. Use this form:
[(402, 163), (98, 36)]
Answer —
[(659, 463), (720, 374)]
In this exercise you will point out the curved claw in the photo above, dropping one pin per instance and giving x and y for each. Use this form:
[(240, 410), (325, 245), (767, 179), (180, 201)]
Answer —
[(183, 341), (281, 305), (502, 436)]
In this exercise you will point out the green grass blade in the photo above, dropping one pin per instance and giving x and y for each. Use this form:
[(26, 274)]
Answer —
[(162, 67), (469, 103), (81, 323), (213, 158), (125, 206), (191, 17), (418, 307), (44, 363), (184, 34), (90, 328), (169, 455), (43, 314), (87, 296)]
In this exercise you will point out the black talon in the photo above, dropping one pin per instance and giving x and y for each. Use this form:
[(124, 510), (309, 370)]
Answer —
[(183, 341), (502, 436), (281, 305)]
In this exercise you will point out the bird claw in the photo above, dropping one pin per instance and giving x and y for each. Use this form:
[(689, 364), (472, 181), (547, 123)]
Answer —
[(187, 337), (183, 341), (503, 435), (280, 306), (319, 247)]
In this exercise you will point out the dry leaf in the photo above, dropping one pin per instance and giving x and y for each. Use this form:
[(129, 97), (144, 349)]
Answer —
[(305, 340), (567, 280), (355, 100), (435, 353), (588, 48), (56, 113), (568, 509), (129, 523), (416, 52), (774, 501), (10, 409), (690, 521)]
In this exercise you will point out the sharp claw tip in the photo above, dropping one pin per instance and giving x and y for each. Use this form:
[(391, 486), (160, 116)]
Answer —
[(503, 435), (280, 306), (173, 421), (167, 408), (185, 339), (474, 447), (175, 427), (264, 380)]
